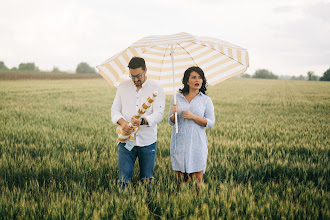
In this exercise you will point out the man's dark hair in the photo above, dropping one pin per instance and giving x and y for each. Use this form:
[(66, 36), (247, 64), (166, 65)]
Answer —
[(137, 62), (186, 76)]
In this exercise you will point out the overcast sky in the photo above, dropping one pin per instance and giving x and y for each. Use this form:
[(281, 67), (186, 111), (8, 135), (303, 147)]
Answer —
[(287, 37)]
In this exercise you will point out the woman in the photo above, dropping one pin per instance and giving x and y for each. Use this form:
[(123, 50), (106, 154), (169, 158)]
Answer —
[(195, 113)]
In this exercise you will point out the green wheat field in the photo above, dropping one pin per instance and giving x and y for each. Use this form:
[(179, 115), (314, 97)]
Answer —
[(268, 154)]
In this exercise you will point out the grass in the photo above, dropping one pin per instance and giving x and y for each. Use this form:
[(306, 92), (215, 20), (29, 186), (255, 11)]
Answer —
[(268, 154)]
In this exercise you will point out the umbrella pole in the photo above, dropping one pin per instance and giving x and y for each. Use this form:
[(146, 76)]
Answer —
[(174, 92)]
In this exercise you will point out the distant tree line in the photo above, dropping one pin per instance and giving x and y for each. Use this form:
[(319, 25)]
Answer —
[(266, 74), (31, 67), (326, 76), (3, 66), (83, 67), (301, 77), (261, 74), (22, 67)]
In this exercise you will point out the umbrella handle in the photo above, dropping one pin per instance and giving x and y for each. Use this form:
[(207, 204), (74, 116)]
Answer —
[(176, 122), (176, 114)]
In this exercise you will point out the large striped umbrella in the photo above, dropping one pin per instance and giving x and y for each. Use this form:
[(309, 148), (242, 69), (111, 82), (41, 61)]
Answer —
[(219, 59), (168, 56)]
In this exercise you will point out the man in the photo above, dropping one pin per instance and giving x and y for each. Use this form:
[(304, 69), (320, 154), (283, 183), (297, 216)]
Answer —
[(131, 94)]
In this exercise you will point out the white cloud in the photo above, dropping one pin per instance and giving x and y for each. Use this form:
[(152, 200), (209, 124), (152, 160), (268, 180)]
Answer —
[(320, 10), (287, 37)]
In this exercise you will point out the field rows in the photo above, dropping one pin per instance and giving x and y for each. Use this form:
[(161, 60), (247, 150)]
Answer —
[(268, 154)]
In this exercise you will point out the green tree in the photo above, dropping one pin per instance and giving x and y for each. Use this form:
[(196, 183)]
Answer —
[(28, 67), (84, 68), (326, 76), (56, 70), (264, 74), (245, 75), (301, 77), (311, 76), (3, 66)]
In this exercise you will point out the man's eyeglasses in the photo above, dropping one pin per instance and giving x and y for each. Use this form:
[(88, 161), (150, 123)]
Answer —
[(139, 76)]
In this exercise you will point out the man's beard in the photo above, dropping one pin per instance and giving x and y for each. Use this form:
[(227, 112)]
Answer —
[(138, 83)]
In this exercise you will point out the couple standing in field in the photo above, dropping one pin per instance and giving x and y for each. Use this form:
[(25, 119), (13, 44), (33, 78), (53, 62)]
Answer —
[(195, 113)]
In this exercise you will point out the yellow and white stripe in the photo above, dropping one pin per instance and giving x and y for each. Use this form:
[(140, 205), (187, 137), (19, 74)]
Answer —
[(122, 136), (219, 59)]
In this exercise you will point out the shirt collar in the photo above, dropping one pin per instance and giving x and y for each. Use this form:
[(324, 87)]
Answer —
[(143, 84), (200, 93)]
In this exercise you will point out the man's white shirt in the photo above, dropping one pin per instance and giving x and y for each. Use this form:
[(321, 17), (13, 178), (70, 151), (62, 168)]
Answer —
[(128, 100)]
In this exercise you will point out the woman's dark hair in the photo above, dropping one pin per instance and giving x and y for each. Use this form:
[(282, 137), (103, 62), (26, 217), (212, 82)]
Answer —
[(137, 62), (186, 76)]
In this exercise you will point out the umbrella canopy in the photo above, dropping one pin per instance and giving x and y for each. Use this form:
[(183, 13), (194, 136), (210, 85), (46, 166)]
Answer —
[(220, 60)]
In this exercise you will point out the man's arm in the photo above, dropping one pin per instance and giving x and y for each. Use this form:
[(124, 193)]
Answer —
[(116, 115), (116, 108)]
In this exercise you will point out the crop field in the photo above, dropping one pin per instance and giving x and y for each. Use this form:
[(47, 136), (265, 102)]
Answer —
[(268, 154), (12, 75)]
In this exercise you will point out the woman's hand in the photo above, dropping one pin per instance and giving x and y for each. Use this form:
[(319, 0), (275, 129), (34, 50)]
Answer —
[(175, 108), (188, 115)]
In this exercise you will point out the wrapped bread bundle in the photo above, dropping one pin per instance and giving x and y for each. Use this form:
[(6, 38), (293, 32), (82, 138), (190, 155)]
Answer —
[(122, 136)]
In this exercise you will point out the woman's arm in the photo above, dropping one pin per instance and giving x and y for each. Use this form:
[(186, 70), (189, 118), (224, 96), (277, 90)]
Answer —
[(199, 120), (209, 114), (206, 121)]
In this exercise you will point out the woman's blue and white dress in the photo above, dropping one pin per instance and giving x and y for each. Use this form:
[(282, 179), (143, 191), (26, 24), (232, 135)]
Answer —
[(189, 146)]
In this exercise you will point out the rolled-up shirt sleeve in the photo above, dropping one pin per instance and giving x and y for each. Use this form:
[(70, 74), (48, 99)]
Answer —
[(116, 108), (170, 113), (209, 113), (158, 108)]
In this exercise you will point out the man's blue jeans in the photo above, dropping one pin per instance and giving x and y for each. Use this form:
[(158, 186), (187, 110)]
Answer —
[(126, 161)]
